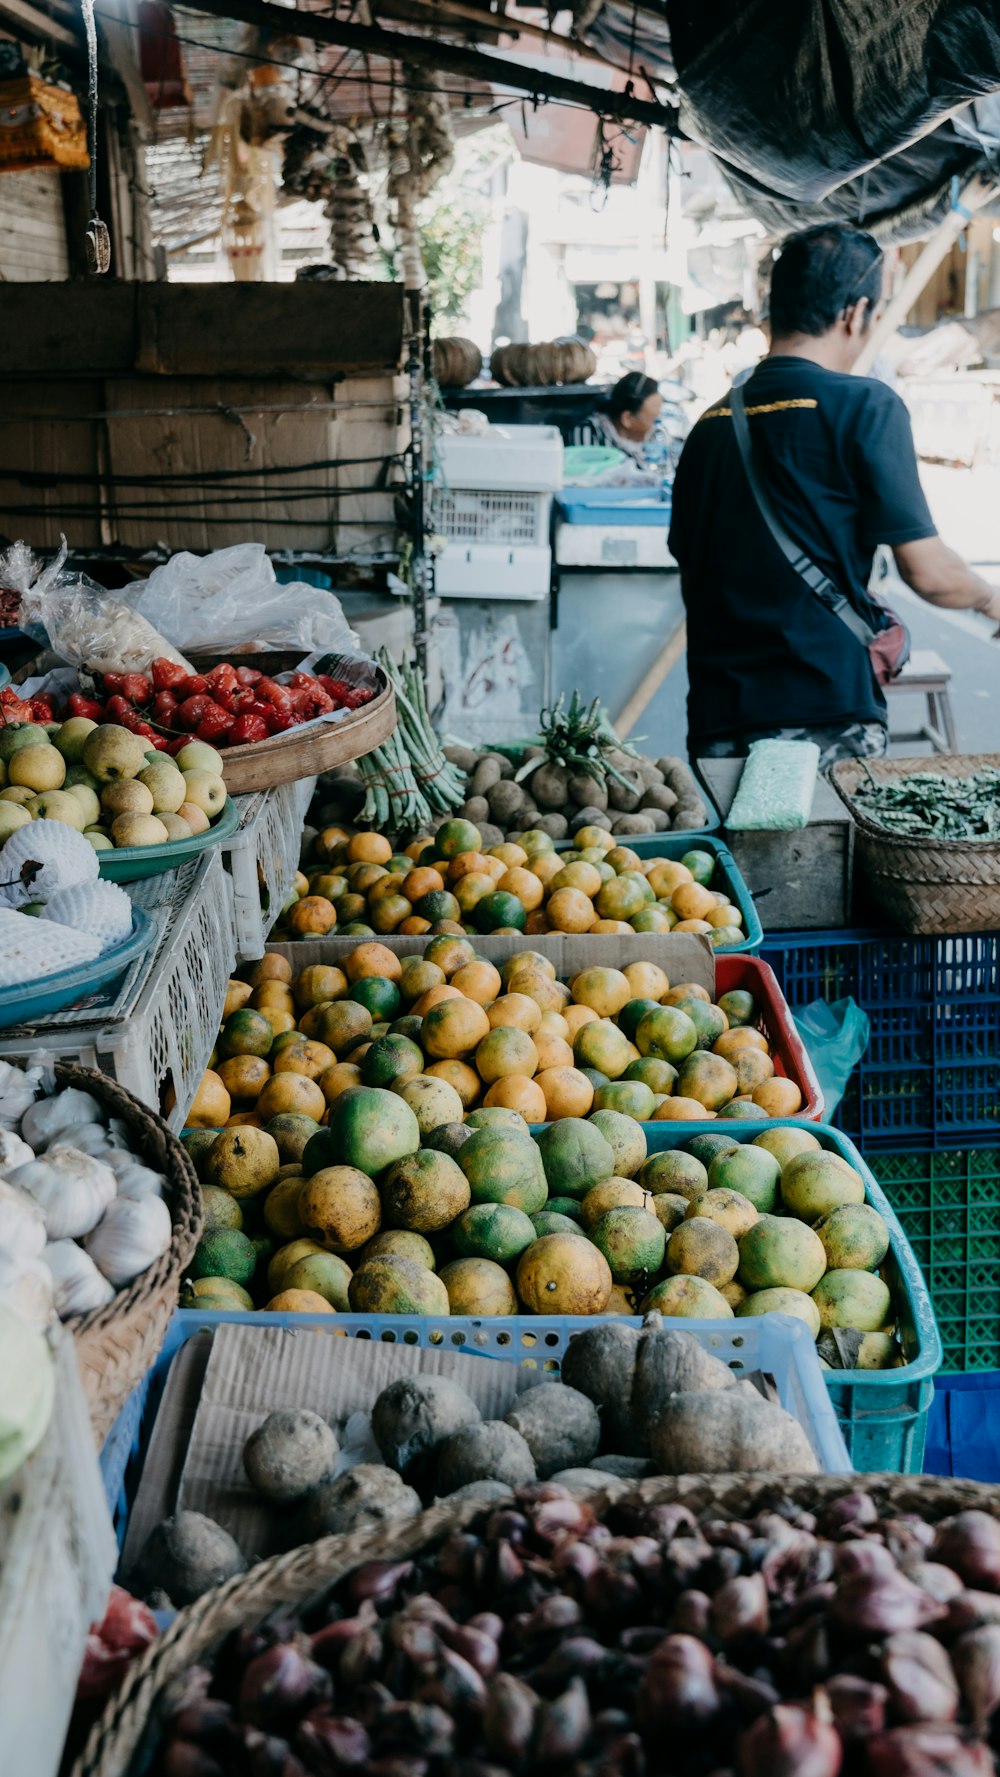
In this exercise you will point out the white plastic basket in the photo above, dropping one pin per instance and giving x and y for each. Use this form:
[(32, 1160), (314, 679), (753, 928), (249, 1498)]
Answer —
[(57, 1557), (529, 457), (156, 1030), (263, 858), (505, 516)]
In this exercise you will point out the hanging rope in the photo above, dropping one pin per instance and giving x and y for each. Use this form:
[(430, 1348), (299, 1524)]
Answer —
[(98, 240)]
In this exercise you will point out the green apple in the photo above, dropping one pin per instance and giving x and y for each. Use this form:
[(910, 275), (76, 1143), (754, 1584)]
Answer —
[(12, 816), (206, 790), (138, 829), (198, 756), (88, 802), (165, 784), (98, 838), (18, 793), (20, 734), (70, 738), (112, 752), (58, 805), (78, 774)]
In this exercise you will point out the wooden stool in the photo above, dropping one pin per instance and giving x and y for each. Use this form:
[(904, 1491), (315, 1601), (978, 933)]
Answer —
[(926, 672)]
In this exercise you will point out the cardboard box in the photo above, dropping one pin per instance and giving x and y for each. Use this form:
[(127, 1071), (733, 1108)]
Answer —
[(223, 1385), (686, 956)]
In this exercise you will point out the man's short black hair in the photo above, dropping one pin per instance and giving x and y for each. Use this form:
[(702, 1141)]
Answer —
[(630, 393), (820, 273)]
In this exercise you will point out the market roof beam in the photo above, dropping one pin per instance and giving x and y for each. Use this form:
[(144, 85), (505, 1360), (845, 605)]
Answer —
[(451, 13), (451, 58), (38, 24)]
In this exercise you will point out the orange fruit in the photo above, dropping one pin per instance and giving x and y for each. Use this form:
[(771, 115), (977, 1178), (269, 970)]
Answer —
[(244, 1077), (329, 840), (305, 1057), (537, 923), (338, 1078), (664, 876), (603, 1046), (690, 901), (546, 865), (340, 1025), (244, 1119), (387, 884), (455, 836), (692, 925), (494, 867), (237, 995), (515, 1011), (420, 882), (450, 928), (245, 1032), (212, 1103), (274, 995), (567, 1092), (505, 1051), (752, 1066), (453, 1028), (369, 848), (413, 926), (434, 997), (653, 919), (328, 883), (733, 1042), (291, 1092), (471, 889), (479, 981), (373, 959), (270, 968), (725, 915), (622, 857), (646, 981), (577, 1015), (570, 910), (686, 990), (388, 914), (363, 877), (606, 991), (468, 863), (552, 1024), (298, 1302), (579, 876), (612, 928), (511, 856), (517, 1093), (417, 976), (351, 907), (553, 1052), (416, 846), (527, 887), (621, 898), (538, 987), (708, 1078), (681, 1110), (459, 1074), (450, 953), (594, 838), (564, 1274), (526, 959), (281, 1023), (778, 1097)]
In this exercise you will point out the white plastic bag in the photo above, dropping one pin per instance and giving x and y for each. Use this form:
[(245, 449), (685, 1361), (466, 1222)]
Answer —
[(87, 626), (231, 603)]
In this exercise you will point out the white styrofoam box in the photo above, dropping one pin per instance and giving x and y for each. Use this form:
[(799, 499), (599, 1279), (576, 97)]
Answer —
[(488, 570), (529, 457), (262, 859), (155, 1029), (57, 1557), (612, 546)]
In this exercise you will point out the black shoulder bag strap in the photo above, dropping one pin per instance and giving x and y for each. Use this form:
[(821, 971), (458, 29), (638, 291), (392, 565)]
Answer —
[(806, 569)]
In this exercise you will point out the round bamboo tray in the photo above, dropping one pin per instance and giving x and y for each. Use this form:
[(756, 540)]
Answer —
[(116, 1346), (928, 886), (308, 1571)]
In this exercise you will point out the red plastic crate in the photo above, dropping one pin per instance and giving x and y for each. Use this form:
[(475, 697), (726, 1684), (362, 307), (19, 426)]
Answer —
[(788, 1052)]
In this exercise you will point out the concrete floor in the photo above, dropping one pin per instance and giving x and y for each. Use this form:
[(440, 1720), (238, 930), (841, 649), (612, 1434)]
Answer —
[(966, 508)]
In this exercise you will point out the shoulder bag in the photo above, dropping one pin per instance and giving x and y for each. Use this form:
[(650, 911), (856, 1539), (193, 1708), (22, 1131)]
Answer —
[(889, 645)]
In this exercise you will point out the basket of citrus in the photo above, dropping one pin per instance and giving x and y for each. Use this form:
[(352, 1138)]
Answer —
[(450, 1030), (355, 885)]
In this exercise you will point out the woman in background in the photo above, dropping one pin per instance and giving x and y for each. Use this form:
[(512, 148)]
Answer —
[(627, 419)]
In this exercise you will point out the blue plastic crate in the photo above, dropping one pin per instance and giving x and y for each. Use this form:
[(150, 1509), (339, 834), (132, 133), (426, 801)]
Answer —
[(727, 874), (931, 1075), (613, 505)]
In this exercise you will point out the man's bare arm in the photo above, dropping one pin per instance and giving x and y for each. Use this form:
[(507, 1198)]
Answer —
[(939, 575)]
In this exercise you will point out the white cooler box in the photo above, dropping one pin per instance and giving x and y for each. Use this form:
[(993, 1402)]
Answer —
[(492, 504)]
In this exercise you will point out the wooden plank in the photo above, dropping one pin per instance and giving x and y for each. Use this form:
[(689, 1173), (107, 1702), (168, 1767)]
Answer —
[(800, 880), (256, 330), (67, 330)]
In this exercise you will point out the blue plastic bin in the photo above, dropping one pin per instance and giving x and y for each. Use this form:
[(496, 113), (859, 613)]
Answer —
[(727, 874), (613, 505), (931, 1074)]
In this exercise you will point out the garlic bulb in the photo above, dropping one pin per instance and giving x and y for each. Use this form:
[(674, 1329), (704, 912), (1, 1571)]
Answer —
[(119, 1133), (134, 1179), (22, 1225), (77, 1283), (26, 1287), (71, 1189), (44, 1122), (87, 1138), (133, 1232), (13, 1151), (18, 1087)]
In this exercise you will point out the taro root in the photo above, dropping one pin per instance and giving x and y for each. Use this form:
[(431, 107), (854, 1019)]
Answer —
[(412, 1416), (669, 1363), (491, 1451), (727, 1432), (560, 1426), (290, 1453), (186, 1556), (601, 1364), (358, 1500)]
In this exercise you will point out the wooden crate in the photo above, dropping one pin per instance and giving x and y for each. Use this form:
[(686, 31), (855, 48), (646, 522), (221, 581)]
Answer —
[(800, 880)]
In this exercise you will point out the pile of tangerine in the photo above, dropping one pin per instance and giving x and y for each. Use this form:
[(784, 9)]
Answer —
[(359, 887)]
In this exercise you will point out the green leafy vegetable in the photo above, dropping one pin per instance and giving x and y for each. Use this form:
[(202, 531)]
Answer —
[(925, 805)]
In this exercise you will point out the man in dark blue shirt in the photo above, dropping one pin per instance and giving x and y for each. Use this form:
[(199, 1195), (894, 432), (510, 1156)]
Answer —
[(835, 452)]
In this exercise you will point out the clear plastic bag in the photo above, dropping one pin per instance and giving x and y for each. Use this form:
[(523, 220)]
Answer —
[(87, 626), (230, 602), (836, 1035)]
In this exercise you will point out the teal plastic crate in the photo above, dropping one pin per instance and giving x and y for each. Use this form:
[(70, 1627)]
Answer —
[(948, 1203), (727, 875)]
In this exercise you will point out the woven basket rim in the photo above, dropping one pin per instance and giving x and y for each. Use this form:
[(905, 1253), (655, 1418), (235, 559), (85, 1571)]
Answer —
[(183, 1198), (847, 774), (312, 1568)]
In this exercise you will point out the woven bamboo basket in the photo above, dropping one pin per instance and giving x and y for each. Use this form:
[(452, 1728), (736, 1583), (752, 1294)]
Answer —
[(130, 1723), (302, 752), (932, 886), (117, 1345)]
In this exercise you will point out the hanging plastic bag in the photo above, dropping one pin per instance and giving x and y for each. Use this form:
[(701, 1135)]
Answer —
[(836, 1035), (87, 626), (230, 602)]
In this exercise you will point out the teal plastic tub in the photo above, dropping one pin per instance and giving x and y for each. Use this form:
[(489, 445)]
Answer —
[(726, 875), (130, 863), (36, 999)]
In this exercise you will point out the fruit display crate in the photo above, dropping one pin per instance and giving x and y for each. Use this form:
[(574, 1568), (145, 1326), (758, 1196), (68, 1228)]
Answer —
[(948, 1203), (930, 1077), (154, 1028), (778, 1344), (571, 953), (57, 1558), (262, 859), (727, 875)]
